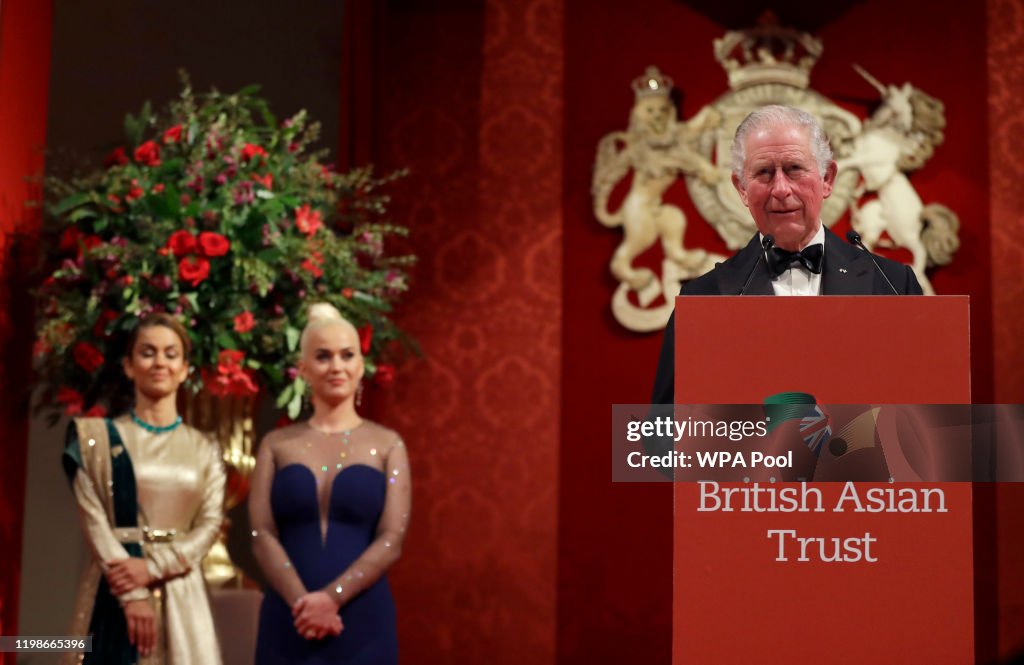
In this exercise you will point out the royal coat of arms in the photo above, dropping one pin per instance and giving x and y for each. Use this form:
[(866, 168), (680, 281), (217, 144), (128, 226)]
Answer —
[(768, 64)]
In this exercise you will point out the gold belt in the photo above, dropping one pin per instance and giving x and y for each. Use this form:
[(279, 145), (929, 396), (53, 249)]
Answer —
[(136, 534)]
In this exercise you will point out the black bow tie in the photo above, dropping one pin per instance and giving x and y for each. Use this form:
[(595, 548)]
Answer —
[(810, 257)]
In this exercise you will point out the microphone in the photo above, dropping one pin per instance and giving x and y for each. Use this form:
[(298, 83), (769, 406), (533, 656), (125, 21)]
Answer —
[(853, 238), (766, 244)]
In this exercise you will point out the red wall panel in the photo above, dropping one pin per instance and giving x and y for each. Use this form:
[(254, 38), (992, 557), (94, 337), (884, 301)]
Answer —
[(468, 96), (24, 78)]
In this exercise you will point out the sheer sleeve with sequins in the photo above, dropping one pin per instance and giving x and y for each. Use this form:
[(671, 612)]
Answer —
[(386, 546), (271, 556)]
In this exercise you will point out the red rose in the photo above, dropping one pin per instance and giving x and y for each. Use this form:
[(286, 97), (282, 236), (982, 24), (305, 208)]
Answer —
[(69, 240), (347, 292), (306, 220), (181, 243), (365, 337), (172, 135), (71, 399), (148, 154), (87, 356), (213, 244), (158, 188), (193, 270), (117, 157), (384, 376), (250, 150), (134, 194), (245, 322), (87, 243)]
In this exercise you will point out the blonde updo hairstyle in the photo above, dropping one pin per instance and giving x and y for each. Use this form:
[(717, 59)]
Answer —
[(323, 315)]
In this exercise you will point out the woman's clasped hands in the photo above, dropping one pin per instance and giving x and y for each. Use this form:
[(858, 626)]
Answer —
[(316, 616)]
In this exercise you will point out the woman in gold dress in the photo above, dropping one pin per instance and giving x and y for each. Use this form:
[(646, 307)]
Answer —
[(150, 494)]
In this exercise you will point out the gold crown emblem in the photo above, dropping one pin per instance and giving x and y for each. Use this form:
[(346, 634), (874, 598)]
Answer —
[(652, 84), (768, 53)]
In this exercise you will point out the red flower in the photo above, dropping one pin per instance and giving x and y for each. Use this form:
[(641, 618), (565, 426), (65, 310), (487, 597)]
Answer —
[(313, 263), (312, 268), (365, 338), (347, 292), (82, 243), (69, 240), (71, 399), (306, 220), (134, 194), (181, 243), (148, 154), (172, 135), (213, 244), (265, 180), (158, 188), (66, 395), (385, 375), (245, 322), (229, 358), (97, 411), (193, 270), (99, 330), (230, 378), (117, 157), (87, 356), (250, 150)]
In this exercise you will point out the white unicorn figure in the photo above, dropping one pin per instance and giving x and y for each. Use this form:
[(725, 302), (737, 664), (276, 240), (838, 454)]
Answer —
[(899, 138)]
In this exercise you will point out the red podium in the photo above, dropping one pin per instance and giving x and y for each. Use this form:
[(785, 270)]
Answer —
[(733, 601)]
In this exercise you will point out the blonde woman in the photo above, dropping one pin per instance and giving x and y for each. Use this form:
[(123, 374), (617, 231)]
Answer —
[(329, 506)]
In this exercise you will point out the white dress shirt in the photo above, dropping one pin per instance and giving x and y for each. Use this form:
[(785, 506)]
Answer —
[(798, 280)]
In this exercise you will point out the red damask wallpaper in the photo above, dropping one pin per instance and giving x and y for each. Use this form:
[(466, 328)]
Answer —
[(469, 98), (1005, 51)]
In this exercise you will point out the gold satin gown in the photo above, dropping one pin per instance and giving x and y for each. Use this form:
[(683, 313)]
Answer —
[(180, 478)]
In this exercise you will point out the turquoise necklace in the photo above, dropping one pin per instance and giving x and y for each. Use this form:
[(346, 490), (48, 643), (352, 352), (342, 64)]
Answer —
[(155, 429)]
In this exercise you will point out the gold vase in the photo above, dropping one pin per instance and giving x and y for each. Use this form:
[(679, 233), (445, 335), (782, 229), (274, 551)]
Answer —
[(229, 421)]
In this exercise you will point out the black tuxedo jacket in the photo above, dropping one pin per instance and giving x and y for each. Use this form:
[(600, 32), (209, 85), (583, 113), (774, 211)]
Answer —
[(847, 271)]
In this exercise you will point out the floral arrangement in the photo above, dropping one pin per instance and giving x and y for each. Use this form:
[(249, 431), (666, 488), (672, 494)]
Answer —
[(220, 215)]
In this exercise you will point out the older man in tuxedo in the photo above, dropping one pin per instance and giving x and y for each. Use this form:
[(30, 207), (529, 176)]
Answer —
[(783, 170)]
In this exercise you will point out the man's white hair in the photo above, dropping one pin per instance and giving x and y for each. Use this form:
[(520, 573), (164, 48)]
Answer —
[(774, 116)]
